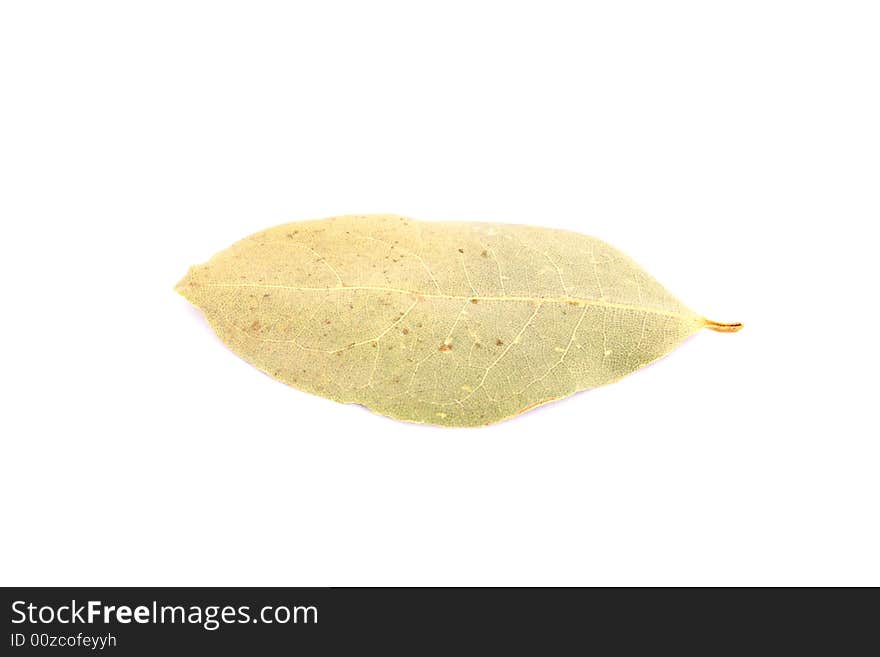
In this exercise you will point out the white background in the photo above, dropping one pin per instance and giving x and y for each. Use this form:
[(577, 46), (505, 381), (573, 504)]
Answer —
[(732, 149)]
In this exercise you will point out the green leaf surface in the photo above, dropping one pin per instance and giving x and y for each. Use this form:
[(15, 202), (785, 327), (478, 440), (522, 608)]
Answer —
[(449, 323)]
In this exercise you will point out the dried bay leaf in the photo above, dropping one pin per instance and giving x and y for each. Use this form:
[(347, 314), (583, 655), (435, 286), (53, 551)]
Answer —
[(456, 324)]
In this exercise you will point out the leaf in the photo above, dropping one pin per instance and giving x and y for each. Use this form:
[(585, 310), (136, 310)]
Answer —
[(457, 324)]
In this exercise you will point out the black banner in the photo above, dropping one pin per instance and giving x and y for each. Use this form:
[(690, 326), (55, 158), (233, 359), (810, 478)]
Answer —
[(133, 621)]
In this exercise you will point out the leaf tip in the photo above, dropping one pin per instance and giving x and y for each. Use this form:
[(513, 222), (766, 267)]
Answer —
[(186, 285), (722, 328)]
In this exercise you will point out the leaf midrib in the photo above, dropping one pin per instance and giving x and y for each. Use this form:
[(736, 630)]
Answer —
[(578, 301)]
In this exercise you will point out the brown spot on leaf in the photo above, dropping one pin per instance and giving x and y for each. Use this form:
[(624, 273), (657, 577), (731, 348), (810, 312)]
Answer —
[(499, 342), (445, 347), (485, 254), (475, 301), (461, 250), (405, 331), (255, 326)]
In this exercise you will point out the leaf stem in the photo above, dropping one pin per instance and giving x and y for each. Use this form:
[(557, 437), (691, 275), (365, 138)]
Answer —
[(722, 328)]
